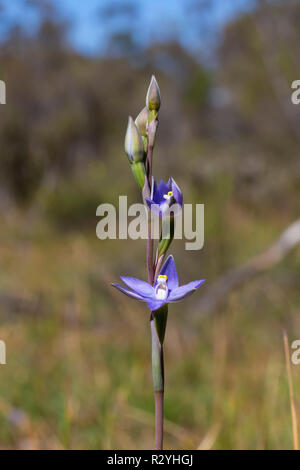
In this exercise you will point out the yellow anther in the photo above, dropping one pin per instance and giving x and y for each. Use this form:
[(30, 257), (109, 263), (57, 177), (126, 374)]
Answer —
[(163, 276), (170, 193)]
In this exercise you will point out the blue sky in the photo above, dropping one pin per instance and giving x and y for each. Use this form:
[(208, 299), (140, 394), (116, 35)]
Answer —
[(155, 20)]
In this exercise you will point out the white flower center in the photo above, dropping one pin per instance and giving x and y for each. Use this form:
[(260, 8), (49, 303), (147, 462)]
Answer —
[(161, 290), (168, 196)]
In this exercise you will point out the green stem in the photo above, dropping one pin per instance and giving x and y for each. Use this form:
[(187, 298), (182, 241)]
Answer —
[(158, 323), (159, 420), (157, 363)]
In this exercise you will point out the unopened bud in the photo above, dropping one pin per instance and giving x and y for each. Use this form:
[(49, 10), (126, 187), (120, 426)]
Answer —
[(153, 99), (134, 146), (139, 172), (168, 227), (141, 122)]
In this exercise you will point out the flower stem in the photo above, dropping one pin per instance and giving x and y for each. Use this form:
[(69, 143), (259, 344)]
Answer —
[(158, 265), (158, 383), (158, 319), (159, 420), (149, 161), (150, 266)]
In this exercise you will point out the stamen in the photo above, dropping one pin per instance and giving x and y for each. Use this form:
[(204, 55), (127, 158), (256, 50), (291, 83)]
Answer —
[(161, 290), (168, 196)]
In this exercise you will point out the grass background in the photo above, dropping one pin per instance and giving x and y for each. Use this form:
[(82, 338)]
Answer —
[(78, 372)]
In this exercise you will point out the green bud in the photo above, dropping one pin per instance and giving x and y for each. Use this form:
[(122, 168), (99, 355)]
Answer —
[(153, 99), (139, 172), (168, 227), (134, 146), (145, 142), (142, 121)]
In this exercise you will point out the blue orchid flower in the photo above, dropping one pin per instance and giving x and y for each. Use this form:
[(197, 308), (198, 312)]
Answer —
[(165, 290), (164, 196)]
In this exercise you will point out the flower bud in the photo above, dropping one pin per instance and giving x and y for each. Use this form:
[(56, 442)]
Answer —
[(153, 99), (167, 236), (134, 146), (139, 172), (142, 121)]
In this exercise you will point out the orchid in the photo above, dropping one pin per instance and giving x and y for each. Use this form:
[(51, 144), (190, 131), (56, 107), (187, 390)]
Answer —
[(165, 290), (166, 197), (165, 200)]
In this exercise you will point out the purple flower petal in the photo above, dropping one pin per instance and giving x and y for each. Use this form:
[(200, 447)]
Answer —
[(141, 287), (153, 206), (155, 193), (149, 201), (184, 291), (176, 192), (162, 189), (128, 292), (154, 304), (169, 269)]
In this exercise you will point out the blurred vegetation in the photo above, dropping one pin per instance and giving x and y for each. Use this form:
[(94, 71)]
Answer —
[(78, 367)]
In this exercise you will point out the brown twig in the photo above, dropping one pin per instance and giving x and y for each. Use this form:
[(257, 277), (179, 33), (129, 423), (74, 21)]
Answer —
[(218, 292)]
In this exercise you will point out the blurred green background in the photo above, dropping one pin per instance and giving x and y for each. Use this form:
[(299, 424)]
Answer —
[(78, 372)]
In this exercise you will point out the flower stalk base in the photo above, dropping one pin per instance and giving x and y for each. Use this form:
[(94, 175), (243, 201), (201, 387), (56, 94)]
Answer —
[(158, 322)]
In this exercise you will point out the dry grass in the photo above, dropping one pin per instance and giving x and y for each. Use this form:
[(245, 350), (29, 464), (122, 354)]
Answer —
[(79, 375)]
